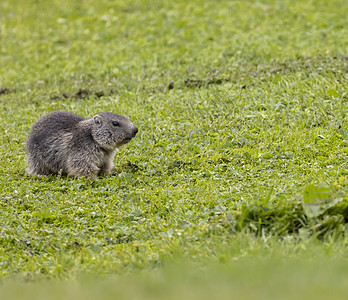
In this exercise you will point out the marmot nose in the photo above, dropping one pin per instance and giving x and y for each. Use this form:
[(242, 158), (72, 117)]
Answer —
[(135, 131)]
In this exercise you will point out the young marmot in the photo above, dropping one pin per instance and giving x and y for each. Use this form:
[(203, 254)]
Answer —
[(67, 143)]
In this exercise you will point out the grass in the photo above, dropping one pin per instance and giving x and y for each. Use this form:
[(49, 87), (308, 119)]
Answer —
[(241, 157)]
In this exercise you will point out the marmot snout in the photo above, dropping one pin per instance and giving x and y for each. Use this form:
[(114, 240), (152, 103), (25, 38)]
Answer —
[(68, 143)]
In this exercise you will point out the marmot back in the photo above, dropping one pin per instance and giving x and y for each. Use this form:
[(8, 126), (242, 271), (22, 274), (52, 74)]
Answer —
[(68, 143)]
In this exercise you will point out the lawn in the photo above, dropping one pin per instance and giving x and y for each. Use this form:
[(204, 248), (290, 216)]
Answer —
[(238, 176)]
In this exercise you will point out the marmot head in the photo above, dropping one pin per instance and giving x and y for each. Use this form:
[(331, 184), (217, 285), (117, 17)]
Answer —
[(111, 130)]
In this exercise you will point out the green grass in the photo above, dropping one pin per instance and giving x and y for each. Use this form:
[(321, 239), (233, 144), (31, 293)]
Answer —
[(241, 155)]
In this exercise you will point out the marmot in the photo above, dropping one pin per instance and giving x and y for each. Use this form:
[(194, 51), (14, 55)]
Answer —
[(67, 143)]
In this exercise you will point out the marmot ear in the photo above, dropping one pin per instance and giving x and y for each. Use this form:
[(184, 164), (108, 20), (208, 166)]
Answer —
[(97, 120)]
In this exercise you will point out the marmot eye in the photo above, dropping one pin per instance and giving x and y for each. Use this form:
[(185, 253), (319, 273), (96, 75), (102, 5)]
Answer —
[(115, 123)]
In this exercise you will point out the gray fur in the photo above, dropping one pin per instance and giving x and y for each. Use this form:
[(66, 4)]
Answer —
[(65, 142)]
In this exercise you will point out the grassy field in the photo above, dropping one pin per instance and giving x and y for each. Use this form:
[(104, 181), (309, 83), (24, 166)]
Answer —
[(237, 181)]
